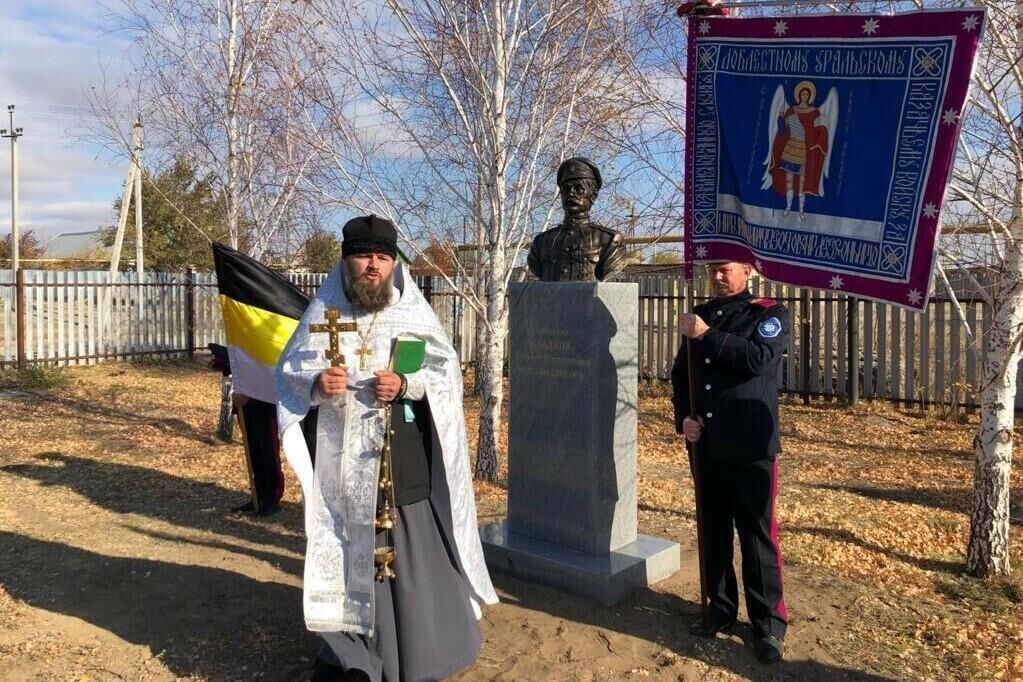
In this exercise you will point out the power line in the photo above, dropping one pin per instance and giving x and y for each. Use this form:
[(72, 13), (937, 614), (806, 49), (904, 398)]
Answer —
[(74, 117), (49, 140), (57, 105), (86, 107)]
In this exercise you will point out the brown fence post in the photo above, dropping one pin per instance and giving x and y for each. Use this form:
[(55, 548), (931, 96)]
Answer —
[(190, 310), (852, 321), (19, 320), (804, 343)]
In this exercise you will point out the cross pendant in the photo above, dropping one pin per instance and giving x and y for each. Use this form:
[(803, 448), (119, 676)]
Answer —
[(332, 328), (363, 351)]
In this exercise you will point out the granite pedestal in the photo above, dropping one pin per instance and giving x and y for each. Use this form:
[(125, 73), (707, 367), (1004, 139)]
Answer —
[(571, 517)]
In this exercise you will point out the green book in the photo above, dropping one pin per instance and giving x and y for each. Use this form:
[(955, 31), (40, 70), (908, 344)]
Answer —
[(407, 354)]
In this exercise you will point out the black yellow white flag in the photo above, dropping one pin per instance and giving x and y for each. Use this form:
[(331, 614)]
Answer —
[(261, 310)]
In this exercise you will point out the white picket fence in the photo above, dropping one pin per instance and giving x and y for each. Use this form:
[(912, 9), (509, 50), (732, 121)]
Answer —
[(82, 317)]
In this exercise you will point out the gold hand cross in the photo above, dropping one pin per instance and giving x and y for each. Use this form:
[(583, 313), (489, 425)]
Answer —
[(332, 328)]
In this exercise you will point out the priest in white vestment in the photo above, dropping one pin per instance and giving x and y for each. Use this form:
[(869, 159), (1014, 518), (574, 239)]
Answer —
[(421, 624)]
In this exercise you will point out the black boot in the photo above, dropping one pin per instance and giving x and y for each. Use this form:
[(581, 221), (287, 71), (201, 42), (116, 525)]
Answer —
[(244, 508), (769, 649), (269, 510), (712, 627)]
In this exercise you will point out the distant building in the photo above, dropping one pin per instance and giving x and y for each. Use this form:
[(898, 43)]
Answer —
[(76, 244)]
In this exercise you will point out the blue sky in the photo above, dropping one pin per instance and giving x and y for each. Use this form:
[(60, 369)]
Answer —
[(50, 55)]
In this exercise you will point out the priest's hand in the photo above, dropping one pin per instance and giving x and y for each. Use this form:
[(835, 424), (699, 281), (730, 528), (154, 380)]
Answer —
[(692, 325), (388, 385), (333, 381)]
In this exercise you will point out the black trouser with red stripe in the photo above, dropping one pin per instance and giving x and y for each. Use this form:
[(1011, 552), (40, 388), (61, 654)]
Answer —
[(742, 496)]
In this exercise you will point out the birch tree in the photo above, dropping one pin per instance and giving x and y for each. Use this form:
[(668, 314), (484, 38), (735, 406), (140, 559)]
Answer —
[(230, 86), (988, 190), (649, 135), (459, 116)]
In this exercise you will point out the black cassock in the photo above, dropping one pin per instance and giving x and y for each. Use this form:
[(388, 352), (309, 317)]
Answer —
[(425, 627)]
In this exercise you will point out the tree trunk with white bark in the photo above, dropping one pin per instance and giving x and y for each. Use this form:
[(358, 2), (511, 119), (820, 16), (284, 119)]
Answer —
[(231, 124), (491, 402), (987, 191), (988, 549)]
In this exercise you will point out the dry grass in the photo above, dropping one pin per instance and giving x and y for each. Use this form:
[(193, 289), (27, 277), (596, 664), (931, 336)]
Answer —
[(874, 503)]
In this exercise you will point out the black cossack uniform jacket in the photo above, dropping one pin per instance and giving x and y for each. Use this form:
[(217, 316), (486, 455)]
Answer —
[(736, 376)]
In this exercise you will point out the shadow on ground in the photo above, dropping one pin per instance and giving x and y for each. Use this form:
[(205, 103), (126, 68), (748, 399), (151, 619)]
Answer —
[(839, 535), (179, 501), (948, 499), (957, 500), (180, 612), (792, 439)]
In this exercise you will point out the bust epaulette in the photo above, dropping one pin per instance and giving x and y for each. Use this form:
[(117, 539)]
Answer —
[(597, 226), (765, 303), (550, 230)]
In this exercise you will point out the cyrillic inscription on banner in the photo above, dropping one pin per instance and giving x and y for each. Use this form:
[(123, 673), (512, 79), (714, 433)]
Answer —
[(819, 147)]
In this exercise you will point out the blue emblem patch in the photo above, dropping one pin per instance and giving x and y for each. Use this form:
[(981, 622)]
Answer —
[(769, 328)]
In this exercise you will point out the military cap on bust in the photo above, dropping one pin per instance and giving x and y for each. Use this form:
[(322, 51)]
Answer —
[(369, 234), (579, 167)]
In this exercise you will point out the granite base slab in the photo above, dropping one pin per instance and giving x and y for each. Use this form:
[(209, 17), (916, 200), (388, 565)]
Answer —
[(607, 578)]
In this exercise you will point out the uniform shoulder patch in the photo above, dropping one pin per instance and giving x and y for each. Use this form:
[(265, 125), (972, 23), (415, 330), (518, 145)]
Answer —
[(764, 303), (769, 328)]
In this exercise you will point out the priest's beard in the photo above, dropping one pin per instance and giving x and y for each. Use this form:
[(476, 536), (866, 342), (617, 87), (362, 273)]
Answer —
[(367, 295)]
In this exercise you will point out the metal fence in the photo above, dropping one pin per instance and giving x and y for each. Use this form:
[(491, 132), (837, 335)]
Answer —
[(82, 317)]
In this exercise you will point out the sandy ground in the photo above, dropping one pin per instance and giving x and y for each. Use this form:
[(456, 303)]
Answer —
[(119, 559)]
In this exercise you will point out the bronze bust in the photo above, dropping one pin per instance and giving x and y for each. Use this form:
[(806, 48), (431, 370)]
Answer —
[(577, 250)]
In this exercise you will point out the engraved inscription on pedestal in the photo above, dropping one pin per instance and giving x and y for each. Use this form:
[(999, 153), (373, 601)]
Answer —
[(572, 444), (572, 419)]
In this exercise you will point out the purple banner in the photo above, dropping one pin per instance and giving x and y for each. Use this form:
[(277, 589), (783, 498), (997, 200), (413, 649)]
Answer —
[(819, 147)]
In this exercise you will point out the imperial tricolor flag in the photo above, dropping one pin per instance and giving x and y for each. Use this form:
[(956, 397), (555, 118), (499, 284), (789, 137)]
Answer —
[(819, 147), (261, 310)]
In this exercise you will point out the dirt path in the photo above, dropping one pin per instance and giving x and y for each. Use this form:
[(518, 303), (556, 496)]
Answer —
[(114, 586)]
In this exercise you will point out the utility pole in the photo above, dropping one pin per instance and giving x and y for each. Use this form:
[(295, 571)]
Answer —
[(132, 185), (137, 159), (13, 134)]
